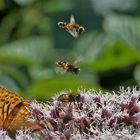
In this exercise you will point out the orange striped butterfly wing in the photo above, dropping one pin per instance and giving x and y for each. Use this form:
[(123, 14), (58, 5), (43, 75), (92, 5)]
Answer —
[(14, 112), (20, 114), (17, 118), (7, 104)]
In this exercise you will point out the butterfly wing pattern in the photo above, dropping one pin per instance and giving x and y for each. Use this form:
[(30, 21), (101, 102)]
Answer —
[(14, 112)]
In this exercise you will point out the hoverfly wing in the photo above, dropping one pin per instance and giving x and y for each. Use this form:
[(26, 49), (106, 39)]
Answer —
[(59, 71), (78, 59), (74, 33), (72, 19)]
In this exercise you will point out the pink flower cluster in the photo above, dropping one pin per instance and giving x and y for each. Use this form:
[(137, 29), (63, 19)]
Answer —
[(94, 116)]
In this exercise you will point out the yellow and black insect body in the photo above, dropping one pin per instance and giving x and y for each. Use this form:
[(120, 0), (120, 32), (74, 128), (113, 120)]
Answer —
[(67, 66), (69, 97), (72, 27)]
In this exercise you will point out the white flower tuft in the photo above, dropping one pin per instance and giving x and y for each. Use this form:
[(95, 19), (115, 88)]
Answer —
[(4, 135), (23, 135)]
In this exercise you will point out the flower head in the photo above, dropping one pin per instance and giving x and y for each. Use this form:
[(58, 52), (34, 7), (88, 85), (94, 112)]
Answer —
[(4, 135), (93, 116), (23, 135)]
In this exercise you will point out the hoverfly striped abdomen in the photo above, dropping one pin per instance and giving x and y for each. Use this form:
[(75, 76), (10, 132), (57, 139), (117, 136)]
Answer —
[(69, 97), (67, 66)]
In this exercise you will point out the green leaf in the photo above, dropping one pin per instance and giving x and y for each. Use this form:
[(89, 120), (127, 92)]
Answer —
[(124, 27), (24, 2), (89, 46), (46, 88), (18, 77), (2, 5), (137, 74), (7, 25), (41, 73), (31, 51), (8, 82), (116, 55), (106, 6), (53, 6), (33, 21)]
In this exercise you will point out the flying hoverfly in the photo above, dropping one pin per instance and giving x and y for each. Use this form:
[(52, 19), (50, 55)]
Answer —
[(69, 97), (68, 66), (72, 27)]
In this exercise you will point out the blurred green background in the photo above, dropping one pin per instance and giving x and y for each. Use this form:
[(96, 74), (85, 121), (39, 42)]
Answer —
[(31, 43)]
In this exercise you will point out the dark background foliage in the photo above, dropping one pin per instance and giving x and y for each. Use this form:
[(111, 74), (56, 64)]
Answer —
[(31, 43)]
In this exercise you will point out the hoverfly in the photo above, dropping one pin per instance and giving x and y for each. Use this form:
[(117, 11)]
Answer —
[(67, 66), (72, 27), (69, 97)]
